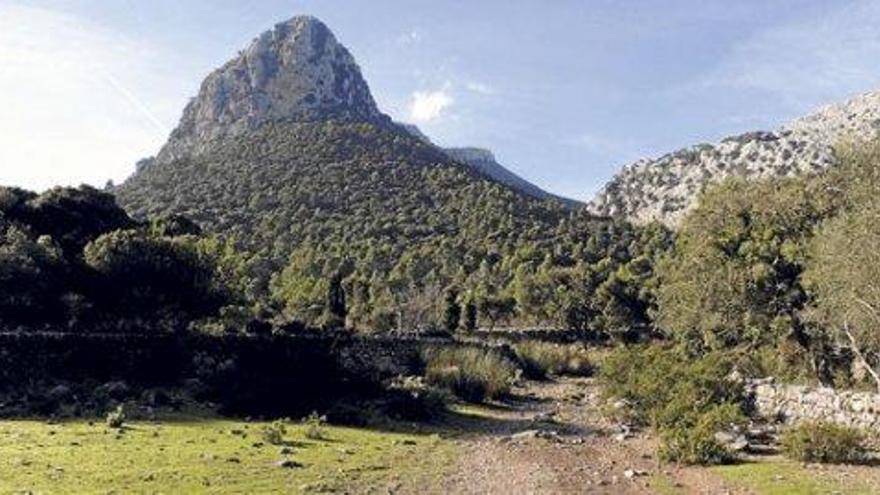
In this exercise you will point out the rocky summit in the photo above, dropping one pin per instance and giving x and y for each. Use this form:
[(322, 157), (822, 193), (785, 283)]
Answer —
[(664, 189), (296, 71)]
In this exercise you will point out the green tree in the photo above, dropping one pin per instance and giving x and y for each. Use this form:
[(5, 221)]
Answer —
[(733, 277), (32, 278), (452, 311), (470, 315), (153, 278), (497, 309), (336, 300), (844, 267)]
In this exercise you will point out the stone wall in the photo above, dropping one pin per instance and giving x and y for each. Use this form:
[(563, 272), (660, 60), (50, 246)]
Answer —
[(797, 403)]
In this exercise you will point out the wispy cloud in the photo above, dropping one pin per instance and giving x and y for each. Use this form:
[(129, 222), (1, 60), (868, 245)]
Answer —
[(809, 61), (411, 37), (606, 148), (480, 88), (70, 93), (427, 106)]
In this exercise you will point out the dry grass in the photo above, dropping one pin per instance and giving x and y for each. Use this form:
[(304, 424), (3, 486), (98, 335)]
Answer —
[(472, 374), (542, 359)]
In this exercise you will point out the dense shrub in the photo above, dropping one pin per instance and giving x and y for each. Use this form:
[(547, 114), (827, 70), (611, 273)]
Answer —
[(471, 373), (696, 443), (32, 275), (540, 359), (146, 275), (825, 443), (687, 400), (409, 398)]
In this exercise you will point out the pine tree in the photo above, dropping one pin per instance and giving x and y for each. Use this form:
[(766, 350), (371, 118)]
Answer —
[(452, 315), (336, 300), (470, 315)]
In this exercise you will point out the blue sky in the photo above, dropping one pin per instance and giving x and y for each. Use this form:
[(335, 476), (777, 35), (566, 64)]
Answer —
[(564, 92)]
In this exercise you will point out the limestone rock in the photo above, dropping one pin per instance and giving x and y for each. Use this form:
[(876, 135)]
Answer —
[(665, 188), (296, 71)]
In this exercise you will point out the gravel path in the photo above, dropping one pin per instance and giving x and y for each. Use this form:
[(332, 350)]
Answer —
[(553, 439)]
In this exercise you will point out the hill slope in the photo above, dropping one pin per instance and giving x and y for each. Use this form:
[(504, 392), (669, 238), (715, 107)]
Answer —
[(287, 183), (284, 145), (665, 188), (483, 161)]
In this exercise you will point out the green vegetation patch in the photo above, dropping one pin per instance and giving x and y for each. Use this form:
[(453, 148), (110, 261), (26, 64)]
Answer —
[(212, 455), (782, 477), (825, 443)]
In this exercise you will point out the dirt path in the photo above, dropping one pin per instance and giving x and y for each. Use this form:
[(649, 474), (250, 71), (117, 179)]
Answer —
[(554, 439)]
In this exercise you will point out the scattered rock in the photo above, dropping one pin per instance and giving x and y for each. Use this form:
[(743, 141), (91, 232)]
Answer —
[(634, 473), (288, 464)]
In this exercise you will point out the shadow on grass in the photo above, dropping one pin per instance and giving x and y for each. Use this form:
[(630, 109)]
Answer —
[(461, 421)]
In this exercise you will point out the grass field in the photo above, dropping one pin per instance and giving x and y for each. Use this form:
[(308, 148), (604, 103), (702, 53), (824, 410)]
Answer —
[(211, 455), (776, 476)]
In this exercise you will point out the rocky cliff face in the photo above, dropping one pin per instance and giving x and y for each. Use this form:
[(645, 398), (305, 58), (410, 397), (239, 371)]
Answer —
[(664, 189), (296, 71)]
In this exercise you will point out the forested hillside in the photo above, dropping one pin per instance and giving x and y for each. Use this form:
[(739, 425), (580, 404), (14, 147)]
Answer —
[(72, 260), (392, 216)]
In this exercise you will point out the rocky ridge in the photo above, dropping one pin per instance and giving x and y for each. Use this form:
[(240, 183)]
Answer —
[(664, 189), (484, 162)]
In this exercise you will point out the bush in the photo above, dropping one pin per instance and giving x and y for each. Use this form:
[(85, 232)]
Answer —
[(411, 399), (315, 426), (825, 443), (273, 433), (472, 374), (687, 400), (540, 359), (696, 443), (115, 419)]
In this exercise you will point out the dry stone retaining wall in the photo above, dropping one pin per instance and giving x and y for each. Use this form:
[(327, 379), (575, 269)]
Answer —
[(798, 403)]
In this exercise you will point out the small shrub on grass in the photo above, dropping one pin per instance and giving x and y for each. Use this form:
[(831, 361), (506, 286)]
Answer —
[(686, 400), (116, 418), (273, 433), (315, 426), (410, 398), (472, 374), (825, 443), (693, 440), (540, 359)]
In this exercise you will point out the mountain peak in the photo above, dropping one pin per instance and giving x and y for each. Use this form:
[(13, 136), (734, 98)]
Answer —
[(296, 71)]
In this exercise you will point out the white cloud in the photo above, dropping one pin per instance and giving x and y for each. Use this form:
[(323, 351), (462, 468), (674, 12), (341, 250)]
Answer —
[(426, 106), (72, 99)]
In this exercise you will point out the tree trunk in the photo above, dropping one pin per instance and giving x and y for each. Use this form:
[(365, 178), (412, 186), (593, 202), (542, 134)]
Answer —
[(861, 357)]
